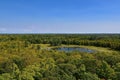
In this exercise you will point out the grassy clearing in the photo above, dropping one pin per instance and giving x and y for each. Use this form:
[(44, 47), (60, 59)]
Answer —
[(99, 49)]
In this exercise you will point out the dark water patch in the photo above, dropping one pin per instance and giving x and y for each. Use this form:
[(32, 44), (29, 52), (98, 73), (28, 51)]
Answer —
[(71, 49)]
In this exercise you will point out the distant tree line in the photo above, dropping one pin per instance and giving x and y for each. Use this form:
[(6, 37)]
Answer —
[(102, 40)]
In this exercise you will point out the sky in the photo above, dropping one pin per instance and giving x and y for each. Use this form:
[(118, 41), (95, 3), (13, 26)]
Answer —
[(59, 16)]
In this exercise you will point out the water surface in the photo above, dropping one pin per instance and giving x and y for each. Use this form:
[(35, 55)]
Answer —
[(71, 49)]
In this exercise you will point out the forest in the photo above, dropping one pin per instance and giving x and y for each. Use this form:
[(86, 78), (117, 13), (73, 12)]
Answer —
[(31, 57)]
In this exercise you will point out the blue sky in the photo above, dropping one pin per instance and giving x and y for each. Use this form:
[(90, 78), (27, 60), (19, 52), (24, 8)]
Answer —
[(59, 16)]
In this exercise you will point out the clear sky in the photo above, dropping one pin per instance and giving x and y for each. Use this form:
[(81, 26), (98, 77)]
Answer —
[(59, 16)]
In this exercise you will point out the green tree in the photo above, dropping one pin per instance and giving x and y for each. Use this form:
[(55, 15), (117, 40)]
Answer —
[(105, 71)]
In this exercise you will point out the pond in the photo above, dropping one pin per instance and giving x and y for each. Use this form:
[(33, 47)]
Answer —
[(71, 49)]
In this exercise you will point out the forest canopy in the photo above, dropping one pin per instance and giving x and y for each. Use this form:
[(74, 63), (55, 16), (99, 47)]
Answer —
[(27, 57)]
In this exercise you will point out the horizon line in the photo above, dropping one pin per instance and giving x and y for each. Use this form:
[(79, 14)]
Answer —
[(67, 33)]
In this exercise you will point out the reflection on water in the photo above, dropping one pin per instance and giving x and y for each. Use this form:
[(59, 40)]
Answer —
[(70, 49)]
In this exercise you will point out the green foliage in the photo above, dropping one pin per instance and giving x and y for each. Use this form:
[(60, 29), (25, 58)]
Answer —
[(29, 57), (89, 76), (117, 67), (105, 71)]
